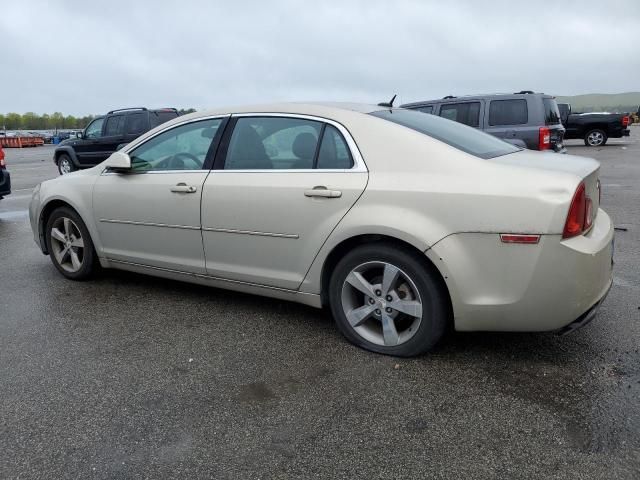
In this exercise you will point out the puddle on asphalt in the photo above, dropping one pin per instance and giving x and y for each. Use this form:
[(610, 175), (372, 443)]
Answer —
[(14, 215)]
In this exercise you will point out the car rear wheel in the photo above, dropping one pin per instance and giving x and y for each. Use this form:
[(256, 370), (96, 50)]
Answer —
[(65, 165), (386, 300), (595, 138), (69, 244)]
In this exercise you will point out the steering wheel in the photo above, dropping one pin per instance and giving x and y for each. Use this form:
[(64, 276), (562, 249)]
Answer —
[(176, 162)]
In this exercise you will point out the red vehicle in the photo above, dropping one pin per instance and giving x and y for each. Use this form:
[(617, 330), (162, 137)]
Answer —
[(5, 178)]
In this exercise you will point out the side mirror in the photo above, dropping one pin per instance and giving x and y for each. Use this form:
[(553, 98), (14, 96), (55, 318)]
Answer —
[(79, 134), (118, 161)]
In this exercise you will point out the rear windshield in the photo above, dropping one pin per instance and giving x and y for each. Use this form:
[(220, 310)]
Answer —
[(551, 112), (452, 133), (158, 117)]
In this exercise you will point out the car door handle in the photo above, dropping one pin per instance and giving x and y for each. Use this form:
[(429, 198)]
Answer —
[(322, 192), (184, 188)]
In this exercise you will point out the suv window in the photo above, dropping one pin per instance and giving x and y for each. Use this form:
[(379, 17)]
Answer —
[(181, 148), (160, 116), (334, 152), (459, 136), (508, 112), (266, 143), (425, 109), (114, 126), (136, 123), (551, 112), (467, 113), (94, 130)]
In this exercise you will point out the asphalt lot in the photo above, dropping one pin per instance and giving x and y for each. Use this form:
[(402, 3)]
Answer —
[(134, 377)]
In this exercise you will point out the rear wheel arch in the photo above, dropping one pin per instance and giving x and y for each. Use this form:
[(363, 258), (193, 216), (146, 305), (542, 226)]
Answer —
[(342, 248)]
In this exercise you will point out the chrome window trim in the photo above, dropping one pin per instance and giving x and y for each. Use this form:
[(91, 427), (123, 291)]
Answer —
[(154, 172), (359, 165), (142, 140), (358, 162)]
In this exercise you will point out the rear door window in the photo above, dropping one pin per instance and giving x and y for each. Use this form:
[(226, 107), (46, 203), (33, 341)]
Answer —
[(334, 153), (467, 113), (425, 109), (551, 112), (114, 126), (136, 123), (508, 112)]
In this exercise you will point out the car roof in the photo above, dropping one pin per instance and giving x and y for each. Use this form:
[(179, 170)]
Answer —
[(453, 99), (299, 108)]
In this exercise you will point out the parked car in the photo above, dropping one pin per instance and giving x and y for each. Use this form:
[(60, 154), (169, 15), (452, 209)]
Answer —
[(5, 178), (526, 119), (104, 135), (594, 128), (402, 223)]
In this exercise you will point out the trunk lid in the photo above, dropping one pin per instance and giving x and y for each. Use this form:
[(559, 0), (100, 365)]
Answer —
[(587, 169)]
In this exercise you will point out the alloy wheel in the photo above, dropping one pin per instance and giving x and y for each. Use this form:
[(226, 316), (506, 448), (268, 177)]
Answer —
[(381, 303), (65, 166), (595, 138), (67, 244)]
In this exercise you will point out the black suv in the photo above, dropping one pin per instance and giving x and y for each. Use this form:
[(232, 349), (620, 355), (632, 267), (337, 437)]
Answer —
[(526, 119), (106, 134)]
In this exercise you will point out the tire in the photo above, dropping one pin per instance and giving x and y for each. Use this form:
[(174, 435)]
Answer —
[(360, 316), (71, 240), (65, 165), (595, 138)]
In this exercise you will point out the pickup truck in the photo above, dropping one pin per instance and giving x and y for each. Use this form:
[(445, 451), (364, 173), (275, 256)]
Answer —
[(594, 128)]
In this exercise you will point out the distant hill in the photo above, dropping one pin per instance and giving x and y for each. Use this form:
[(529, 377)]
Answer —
[(603, 102)]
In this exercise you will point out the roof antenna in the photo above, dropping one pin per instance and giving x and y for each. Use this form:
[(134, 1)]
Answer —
[(388, 104)]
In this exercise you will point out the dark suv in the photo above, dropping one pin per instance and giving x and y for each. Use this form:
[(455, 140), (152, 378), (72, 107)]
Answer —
[(106, 134), (526, 119)]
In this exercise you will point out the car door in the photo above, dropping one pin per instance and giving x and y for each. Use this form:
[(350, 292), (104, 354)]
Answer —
[(280, 185), (87, 148), (151, 214)]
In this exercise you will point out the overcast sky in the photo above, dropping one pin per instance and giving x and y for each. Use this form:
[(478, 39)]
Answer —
[(87, 57)]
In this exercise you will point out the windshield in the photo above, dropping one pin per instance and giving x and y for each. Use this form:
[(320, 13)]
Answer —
[(452, 133)]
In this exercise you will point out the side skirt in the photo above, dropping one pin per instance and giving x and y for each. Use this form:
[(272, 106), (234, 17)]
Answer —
[(236, 285)]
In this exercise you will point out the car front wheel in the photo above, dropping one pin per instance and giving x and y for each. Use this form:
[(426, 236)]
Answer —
[(385, 299), (65, 165), (69, 244)]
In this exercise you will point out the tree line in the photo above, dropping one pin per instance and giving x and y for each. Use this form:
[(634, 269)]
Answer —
[(53, 121)]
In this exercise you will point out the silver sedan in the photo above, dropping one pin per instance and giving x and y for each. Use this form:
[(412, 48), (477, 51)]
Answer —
[(400, 222)]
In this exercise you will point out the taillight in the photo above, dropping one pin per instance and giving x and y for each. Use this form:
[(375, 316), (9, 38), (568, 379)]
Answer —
[(625, 121), (580, 216), (2, 162), (544, 138)]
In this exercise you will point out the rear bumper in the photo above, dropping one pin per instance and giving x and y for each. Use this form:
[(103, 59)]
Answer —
[(626, 132), (516, 287), (5, 182), (586, 317)]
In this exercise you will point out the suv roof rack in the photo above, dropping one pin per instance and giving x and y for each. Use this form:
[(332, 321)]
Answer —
[(448, 97), (166, 109), (125, 109), (524, 92)]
